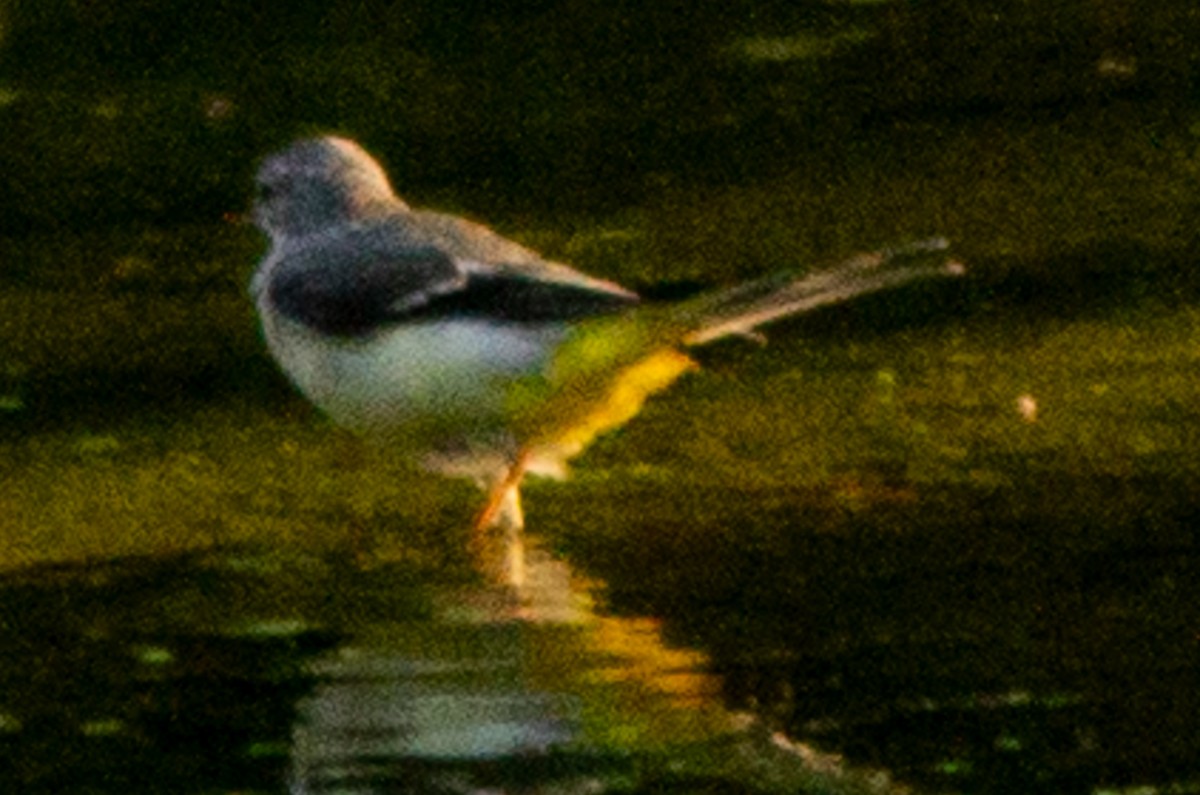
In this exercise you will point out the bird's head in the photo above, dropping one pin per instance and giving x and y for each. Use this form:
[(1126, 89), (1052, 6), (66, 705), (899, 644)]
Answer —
[(316, 183)]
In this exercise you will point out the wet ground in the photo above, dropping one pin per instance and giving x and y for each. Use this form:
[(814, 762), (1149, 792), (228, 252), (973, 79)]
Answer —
[(927, 557), (932, 640), (942, 540)]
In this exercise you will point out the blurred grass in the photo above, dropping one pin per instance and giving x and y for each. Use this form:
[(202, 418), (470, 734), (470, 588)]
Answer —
[(894, 419), (137, 412), (230, 473)]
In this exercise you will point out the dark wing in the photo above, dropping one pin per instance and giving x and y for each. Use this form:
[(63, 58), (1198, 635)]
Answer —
[(493, 254), (510, 282), (369, 278), (517, 298), (356, 283)]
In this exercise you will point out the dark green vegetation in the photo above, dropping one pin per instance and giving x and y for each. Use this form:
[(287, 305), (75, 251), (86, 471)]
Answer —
[(948, 532)]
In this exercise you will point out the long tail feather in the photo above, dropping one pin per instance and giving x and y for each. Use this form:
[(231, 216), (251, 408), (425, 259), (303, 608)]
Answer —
[(741, 309)]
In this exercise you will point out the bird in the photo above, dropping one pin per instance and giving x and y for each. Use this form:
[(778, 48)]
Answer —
[(472, 355)]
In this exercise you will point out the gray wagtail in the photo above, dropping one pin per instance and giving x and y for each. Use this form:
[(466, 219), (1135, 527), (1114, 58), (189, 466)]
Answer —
[(470, 354)]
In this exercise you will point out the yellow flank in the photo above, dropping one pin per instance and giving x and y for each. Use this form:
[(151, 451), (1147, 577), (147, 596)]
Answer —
[(599, 379), (623, 398)]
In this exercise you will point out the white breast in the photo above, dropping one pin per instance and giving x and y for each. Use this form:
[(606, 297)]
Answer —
[(427, 387)]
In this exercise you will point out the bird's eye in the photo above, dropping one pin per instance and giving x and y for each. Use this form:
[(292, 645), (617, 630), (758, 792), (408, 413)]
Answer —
[(265, 192)]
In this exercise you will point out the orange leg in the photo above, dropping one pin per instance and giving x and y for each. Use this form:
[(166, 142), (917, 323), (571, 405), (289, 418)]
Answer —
[(503, 509), (499, 492)]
